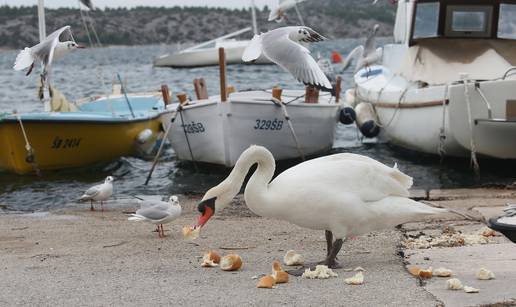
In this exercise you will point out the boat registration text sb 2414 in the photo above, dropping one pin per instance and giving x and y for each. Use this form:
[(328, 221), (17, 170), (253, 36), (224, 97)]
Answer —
[(60, 143)]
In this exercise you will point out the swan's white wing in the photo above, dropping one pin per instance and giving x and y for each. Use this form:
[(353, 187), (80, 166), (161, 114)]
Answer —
[(253, 50), (293, 57), (363, 177)]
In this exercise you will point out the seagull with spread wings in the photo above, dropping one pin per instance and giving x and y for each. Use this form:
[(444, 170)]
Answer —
[(46, 51), (282, 46)]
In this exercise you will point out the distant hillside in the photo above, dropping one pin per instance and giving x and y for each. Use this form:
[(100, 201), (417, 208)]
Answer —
[(148, 25)]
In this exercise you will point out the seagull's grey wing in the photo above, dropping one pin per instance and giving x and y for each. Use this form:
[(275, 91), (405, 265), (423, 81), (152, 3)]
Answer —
[(53, 40), (253, 50), (355, 54), (152, 213), (92, 192), (370, 44), (293, 57)]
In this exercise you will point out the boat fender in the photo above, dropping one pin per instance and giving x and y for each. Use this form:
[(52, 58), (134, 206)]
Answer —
[(347, 115), (366, 120), (144, 136)]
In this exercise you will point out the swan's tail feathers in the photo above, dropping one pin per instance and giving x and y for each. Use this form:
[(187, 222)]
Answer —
[(136, 217), (24, 59), (405, 180), (395, 210)]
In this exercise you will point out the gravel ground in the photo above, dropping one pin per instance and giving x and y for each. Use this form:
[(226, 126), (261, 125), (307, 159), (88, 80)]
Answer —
[(75, 257)]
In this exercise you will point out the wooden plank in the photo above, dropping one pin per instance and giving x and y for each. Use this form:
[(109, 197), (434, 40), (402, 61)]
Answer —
[(222, 70)]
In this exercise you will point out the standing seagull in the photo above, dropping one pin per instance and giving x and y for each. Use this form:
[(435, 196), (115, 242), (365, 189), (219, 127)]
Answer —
[(364, 55), (282, 47), (45, 52), (158, 213), (101, 192)]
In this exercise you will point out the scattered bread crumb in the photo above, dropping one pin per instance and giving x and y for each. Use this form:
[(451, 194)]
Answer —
[(454, 284), (485, 274), (292, 258), (320, 272), (468, 289), (358, 279), (443, 272), (191, 233)]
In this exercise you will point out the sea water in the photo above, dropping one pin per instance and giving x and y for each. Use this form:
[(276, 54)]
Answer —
[(79, 75)]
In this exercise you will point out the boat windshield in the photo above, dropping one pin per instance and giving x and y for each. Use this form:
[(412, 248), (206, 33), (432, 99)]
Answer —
[(507, 21), (427, 20)]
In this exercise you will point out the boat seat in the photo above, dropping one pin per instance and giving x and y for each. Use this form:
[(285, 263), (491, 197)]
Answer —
[(201, 92)]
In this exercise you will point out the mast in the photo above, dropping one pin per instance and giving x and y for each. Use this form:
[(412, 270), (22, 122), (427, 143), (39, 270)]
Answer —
[(41, 20), (299, 16), (253, 12)]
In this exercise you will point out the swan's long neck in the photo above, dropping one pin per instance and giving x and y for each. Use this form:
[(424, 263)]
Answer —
[(258, 183)]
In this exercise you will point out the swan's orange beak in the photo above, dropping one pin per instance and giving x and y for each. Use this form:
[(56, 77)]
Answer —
[(80, 46), (207, 209), (203, 219)]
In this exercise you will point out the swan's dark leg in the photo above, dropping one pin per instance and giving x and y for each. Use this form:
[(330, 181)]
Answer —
[(331, 260), (331, 256), (91, 206), (329, 241)]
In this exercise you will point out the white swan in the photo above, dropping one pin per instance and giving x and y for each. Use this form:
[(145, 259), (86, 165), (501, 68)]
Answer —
[(343, 194)]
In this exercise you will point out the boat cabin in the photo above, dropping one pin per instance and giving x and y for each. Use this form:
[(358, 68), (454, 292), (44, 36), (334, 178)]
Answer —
[(438, 40), (477, 19)]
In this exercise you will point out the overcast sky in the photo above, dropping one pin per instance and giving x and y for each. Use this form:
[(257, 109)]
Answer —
[(132, 3)]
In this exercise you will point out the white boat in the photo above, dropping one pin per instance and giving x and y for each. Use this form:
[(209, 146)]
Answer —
[(218, 132), (447, 84), (206, 53), (200, 56)]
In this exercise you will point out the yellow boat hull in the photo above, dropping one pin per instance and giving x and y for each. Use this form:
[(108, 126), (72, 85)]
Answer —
[(67, 144)]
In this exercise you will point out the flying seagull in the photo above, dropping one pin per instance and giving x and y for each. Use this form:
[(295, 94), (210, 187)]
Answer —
[(282, 47), (101, 192), (158, 213), (46, 51), (278, 13), (88, 4)]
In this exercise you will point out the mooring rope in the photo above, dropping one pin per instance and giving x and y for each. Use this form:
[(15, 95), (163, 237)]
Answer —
[(473, 149), (30, 158), (187, 140), (291, 127), (442, 133)]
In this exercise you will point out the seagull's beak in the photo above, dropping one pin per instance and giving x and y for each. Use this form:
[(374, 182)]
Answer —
[(207, 209), (80, 46)]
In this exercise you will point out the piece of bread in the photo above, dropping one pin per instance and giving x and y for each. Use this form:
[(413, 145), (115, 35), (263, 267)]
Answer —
[(280, 277), (210, 259), (267, 282), (191, 233), (230, 262)]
